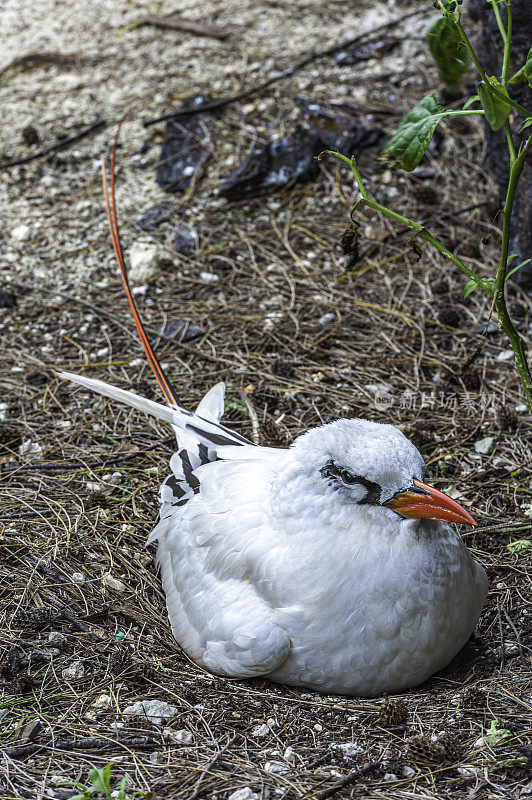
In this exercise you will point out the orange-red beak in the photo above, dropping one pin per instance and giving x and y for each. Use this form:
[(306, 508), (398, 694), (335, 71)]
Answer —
[(426, 502)]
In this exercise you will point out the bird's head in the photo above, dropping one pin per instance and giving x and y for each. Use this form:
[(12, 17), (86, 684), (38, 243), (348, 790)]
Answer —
[(374, 466)]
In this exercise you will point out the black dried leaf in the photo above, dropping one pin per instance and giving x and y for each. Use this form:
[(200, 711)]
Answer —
[(154, 216), (185, 240), (186, 147), (271, 166), (7, 300)]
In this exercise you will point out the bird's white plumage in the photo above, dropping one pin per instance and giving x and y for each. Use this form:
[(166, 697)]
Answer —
[(269, 569)]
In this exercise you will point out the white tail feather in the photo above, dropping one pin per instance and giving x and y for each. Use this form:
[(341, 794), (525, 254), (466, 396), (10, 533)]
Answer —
[(208, 430), (123, 396), (211, 406)]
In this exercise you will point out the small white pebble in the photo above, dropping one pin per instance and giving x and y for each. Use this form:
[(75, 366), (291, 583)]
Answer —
[(144, 260), (21, 233), (348, 749), (275, 767), (112, 477), (74, 671), (209, 277), (260, 730), (289, 755), (30, 450), (485, 446), (179, 737), (56, 636), (499, 462), (114, 584), (246, 793), (468, 771), (101, 701), (78, 577)]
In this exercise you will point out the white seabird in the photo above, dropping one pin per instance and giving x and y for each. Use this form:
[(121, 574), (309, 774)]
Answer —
[(328, 565)]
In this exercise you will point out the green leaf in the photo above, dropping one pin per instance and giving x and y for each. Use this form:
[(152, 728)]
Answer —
[(518, 545), (410, 142), (235, 405), (496, 110), (122, 790), (474, 99), (522, 264), (527, 123), (444, 43), (524, 75), (101, 779), (486, 283), (470, 286), (494, 734)]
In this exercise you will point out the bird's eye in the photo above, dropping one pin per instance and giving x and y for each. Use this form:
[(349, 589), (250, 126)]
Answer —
[(348, 477), (333, 474), (331, 470)]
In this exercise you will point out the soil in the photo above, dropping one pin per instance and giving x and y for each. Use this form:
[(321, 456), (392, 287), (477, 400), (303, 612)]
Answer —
[(276, 308)]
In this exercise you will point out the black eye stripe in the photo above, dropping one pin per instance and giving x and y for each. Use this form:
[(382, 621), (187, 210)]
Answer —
[(333, 473), (374, 491)]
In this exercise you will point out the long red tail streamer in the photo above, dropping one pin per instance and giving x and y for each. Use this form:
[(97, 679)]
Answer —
[(110, 207)]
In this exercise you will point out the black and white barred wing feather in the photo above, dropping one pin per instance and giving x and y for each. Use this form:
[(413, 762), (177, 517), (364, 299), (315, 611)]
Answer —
[(214, 537)]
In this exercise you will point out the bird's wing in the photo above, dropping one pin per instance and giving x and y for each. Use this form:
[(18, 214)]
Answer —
[(194, 452), (215, 549), (211, 510)]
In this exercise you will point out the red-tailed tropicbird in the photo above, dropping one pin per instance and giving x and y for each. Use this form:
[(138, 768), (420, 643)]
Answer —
[(329, 564)]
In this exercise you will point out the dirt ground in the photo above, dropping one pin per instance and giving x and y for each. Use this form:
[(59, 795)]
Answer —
[(309, 334)]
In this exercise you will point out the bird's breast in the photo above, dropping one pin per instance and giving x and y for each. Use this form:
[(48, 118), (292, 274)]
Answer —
[(374, 609)]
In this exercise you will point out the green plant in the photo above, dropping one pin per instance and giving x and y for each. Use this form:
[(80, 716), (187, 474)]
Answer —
[(519, 545), (514, 760), (495, 735), (451, 49), (515, 763), (100, 786)]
